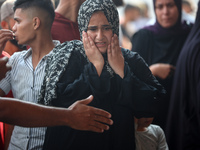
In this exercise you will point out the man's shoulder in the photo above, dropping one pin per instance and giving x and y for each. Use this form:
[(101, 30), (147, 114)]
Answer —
[(19, 55)]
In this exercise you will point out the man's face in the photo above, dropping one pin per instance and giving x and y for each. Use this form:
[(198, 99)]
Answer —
[(23, 27)]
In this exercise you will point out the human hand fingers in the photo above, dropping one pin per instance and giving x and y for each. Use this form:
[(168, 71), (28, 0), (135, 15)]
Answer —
[(100, 114), (115, 45), (85, 40), (85, 117), (87, 100), (103, 118), (109, 50), (172, 71), (99, 124), (162, 70), (115, 57), (168, 70), (5, 35), (89, 46), (98, 127), (88, 42)]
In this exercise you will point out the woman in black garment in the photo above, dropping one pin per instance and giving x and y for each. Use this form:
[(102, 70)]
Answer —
[(119, 80), (183, 128), (160, 45)]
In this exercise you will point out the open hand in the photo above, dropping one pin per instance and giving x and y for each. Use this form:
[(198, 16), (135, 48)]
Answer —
[(89, 118)]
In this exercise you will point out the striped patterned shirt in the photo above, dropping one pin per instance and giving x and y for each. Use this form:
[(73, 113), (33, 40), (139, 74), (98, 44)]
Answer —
[(25, 83)]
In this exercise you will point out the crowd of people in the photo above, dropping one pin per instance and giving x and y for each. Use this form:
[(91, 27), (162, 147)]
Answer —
[(67, 82)]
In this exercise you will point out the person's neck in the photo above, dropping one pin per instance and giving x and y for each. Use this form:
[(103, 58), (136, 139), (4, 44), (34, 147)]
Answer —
[(40, 48), (141, 128), (69, 9)]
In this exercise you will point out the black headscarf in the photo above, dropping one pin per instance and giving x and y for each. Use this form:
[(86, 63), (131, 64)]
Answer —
[(183, 129)]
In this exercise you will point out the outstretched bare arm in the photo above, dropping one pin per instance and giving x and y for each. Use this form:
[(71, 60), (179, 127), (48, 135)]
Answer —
[(78, 116)]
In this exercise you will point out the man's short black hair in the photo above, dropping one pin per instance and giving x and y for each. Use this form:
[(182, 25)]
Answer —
[(45, 5)]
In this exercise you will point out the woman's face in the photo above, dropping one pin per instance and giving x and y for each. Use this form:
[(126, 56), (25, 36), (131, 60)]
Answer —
[(100, 31), (166, 13)]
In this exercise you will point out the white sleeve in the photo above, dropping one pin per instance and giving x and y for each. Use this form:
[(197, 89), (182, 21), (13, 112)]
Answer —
[(162, 143)]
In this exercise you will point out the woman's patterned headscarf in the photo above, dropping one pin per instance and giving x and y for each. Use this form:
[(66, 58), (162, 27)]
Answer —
[(90, 6)]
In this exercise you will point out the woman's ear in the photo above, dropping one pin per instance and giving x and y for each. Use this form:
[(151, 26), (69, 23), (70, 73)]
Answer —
[(36, 23)]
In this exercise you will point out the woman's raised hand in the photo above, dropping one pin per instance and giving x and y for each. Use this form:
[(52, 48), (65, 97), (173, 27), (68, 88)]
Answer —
[(115, 57), (92, 52)]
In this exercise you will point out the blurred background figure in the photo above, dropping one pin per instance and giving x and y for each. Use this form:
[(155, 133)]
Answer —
[(65, 26), (131, 14), (160, 45), (188, 11), (7, 22), (187, 16), (183, 128), (142, 19), (187, 6), (149, 136)]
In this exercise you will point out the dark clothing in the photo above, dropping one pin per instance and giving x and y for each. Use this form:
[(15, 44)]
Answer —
[(70, 77), (183, 129), (134, 95), (155, 48)]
